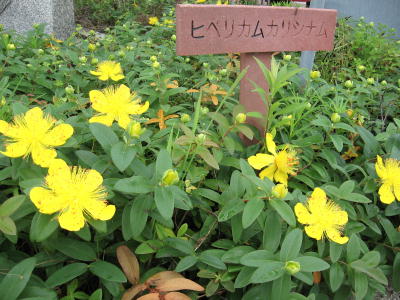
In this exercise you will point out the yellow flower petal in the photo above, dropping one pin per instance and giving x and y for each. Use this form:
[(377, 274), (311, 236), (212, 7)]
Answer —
[(396, 189), (268, 172), (138, 109), (3, 126), (380, 167), (33, 115), (124, 120), (302, 213), (386, 194), (16, 149), (314, 231), (105, 120), (58, 135), (317, 200), (72, 219), (336, 236), (340, 217), (99, 210), (45, 200), (117, 77), (260, 160), (43, 156), (281, 177), (93, 179), (123, 92), (270, 143), (98, 100)]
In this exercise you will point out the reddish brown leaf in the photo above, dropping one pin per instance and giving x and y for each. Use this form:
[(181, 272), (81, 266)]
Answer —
[(151, 296), (161, 278), (129, 264), (177, 284), (176, 296), (316, 277), (133, 291)]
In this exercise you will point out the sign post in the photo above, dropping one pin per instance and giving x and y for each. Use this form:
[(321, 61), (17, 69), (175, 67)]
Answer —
[(252, 31)]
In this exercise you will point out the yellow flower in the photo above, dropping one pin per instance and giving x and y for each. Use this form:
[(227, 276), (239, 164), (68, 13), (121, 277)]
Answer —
[(116, 103), (279, 164), (389, 173), (73, 192), (322, 216), (108, 69), (153, 21), (36, 134), (200, 1), (170, 177)]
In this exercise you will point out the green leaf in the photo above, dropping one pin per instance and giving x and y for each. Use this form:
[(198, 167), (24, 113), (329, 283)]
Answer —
[(374, 273), (163, 163), (208, 157), (284, 210), (371, 145), (16, 279), (122, 155), (7, 226), (164, 199), (212, 261), (233, 256), (353, 248), (76, 249), (311, 264), (360, 285), (11, 205), (353, 197), (291, 245), (371, 258), (281, 287), (184, 246), (268, 271), (104, 135), (134, 185), (139, 214), (344, 126), (42, 227), (337, 142), (251, 211), (257, 258), (97, 295), (392, 234), (335, 251), (66, 274), (230, 209), (185, 263), (336, 276), (347, 187), (107, 271), (396, 273), (272, 232), (244, 276)]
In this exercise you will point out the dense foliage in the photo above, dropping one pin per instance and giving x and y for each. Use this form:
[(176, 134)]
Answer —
[(142, 150)]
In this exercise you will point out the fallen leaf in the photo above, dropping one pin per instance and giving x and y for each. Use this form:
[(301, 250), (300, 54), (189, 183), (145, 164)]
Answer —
[(160, 278), (133, 291), (177, 284), (151, 296), (129, 264), (176, 296)]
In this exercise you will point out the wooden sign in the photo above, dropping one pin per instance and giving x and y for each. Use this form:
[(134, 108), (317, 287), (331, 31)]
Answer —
[(252, 31)]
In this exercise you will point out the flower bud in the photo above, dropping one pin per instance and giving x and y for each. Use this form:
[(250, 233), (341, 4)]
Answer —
[(205, 110), (362, 18), (371, 24), (149, 42), (200, 138), (156, 65), (308, 105), (315, 74), (10, 47), (206, 65), (348, 84), (335, 117), (173, 37), (287, 57), (185, 118), (187, 59), (82, 59), (153, 58), (3, 101), (94, 61), (129, 48), (349, 113), (279, 191), (135, 130), (384, 82), (69, 90), (361, 68), (240, 118), (223, 72), (370, 80), (170, 177), (40, 51), (121, 53), (92, 47), (292, 267)]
